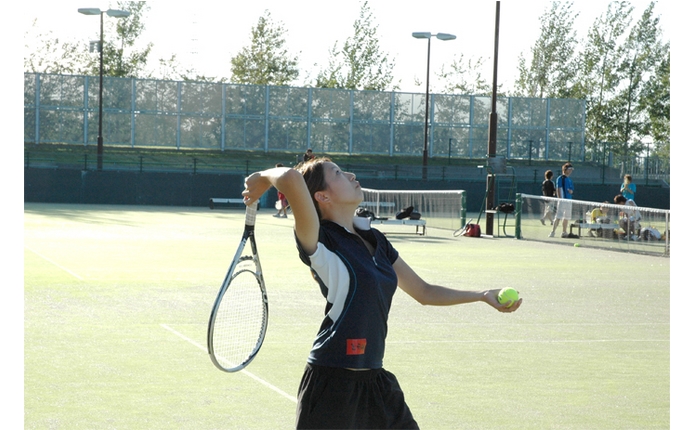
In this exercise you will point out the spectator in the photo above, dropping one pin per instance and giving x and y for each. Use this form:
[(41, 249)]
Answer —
[(628, 189), (309, 155), (629, 218), (564, 188), (548, 188), (599, 215)]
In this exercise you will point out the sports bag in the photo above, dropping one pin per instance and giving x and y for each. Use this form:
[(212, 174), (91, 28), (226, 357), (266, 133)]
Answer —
[(405, 212), (472, 230), (505, 208), (364, 213)]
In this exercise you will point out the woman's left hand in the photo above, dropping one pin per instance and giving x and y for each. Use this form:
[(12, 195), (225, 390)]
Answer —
[(490, 298), (256, 185)]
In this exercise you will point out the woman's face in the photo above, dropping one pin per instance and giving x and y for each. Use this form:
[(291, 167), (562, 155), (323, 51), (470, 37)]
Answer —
[(343, 186)]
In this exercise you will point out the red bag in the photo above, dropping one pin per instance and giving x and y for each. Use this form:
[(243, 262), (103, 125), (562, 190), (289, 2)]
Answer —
[(472, 230)]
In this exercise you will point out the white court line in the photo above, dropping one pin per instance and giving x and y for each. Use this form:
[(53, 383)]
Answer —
[(244, 371), (56, 264)]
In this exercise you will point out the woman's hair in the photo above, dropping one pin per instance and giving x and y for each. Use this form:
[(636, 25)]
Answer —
[(314, 177)]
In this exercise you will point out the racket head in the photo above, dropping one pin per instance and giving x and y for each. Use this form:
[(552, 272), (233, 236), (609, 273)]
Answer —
[(239, 316)]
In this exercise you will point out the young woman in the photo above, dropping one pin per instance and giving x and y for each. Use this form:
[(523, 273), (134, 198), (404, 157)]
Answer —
[(627, 188), (357, 270)]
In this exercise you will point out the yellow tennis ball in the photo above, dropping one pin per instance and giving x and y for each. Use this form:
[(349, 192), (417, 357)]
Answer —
[(507, 294)]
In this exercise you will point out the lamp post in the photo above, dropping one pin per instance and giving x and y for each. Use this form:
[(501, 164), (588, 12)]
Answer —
[(116, 13), (427, 35)]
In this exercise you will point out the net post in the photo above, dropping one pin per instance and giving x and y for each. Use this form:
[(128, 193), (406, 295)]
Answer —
[(517, 217), (463, 208)]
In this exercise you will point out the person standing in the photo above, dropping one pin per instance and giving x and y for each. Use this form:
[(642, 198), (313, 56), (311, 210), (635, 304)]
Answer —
[(309, 155), (357, 270), (564, 188), (628, 189), (548, 189)]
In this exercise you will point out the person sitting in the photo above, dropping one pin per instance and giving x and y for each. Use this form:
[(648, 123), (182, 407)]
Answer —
[(599, 215), (629, 218)]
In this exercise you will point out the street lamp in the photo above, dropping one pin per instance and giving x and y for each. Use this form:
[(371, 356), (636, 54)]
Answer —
[(115, 13), (427, 35)]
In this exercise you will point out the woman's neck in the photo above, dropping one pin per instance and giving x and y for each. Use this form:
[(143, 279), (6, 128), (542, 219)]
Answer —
[(343, 218)]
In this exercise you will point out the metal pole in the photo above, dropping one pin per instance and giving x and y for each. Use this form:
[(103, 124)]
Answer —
[(646, 166), (492, 135), (100, 137), (450, 150), (427, 111)]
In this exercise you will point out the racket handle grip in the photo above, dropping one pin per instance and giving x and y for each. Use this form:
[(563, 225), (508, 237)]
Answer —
[(251, 213)]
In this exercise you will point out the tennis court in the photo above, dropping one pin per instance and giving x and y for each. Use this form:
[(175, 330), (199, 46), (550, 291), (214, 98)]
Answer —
[(117, 300)]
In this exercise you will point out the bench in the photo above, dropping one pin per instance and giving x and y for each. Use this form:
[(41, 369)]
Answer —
[(221, 201), (592, 227), (416, 222)]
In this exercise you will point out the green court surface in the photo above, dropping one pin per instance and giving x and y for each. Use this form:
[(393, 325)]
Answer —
[(117, 299)]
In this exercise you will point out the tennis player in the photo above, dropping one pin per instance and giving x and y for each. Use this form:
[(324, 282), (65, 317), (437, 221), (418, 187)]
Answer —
[(357, 270)]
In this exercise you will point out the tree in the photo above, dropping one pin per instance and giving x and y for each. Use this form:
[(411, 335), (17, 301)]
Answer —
[(655, 101), (464, 76), (643, 54), (597, 77), (267, 61), (359, 64), (128, 61), (121, 58), (50, 55), (551, 71)]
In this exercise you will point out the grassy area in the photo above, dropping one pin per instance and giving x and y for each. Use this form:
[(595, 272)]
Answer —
[(116, 301), (77, 153)]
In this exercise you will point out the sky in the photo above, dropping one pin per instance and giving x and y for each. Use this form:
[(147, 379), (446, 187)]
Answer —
[(206, 34)]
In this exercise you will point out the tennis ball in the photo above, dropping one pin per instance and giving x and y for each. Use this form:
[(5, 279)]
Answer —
[(577, 245), (507, 294)]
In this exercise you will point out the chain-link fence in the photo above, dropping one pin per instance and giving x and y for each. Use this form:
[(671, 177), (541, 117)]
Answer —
[(221, 116)]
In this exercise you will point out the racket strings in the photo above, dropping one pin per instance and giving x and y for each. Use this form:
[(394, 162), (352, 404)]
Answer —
[(240, 320)]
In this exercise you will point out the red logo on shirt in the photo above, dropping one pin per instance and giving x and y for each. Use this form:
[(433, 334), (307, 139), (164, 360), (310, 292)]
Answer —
[(356, 346)]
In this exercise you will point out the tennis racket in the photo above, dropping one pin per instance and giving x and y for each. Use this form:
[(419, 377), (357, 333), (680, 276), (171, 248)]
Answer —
[(239, 317), (462, 230)]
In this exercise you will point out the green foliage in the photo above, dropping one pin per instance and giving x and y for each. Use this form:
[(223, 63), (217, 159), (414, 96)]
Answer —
[(465, 76), (267, 61), (51, 55), (655, 101), (359, 64), (643, 54), (598, 76), (121, 58), (551, 69)]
